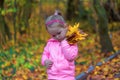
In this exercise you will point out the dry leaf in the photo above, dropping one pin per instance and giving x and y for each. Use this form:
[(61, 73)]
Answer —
[(74, 34)]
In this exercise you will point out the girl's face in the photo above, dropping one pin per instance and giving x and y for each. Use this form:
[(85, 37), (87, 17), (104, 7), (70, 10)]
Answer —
[(57, 32)]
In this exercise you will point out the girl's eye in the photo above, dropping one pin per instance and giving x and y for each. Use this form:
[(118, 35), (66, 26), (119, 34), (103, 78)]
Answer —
[(58, 32)]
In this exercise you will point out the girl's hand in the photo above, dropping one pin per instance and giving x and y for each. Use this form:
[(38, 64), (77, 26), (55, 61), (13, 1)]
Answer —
[(48, 63)]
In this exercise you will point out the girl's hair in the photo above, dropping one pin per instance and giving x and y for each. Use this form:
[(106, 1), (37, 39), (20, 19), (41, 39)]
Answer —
[(56, 18)]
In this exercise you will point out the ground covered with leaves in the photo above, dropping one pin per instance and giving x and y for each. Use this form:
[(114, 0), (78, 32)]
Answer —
[(22, 61)]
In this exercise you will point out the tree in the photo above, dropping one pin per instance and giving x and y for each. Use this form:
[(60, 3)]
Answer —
[(113, 15), (4, 29), (105, 42), (24, 16), (72, 9)]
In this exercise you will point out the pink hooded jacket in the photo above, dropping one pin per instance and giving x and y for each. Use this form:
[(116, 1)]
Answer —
[(62, 55)]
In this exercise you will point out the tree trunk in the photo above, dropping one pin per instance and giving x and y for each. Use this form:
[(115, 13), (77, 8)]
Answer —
[(112, 14), (4, 29), (24, 18), (105, 42), (72, 9)]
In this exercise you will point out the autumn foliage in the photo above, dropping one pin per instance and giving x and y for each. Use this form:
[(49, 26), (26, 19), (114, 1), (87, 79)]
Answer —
[(74, 34)]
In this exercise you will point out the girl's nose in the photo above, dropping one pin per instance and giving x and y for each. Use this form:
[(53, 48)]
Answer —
[(57, 36)]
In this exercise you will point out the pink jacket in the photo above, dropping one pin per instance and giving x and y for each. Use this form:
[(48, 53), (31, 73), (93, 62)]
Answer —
[(62, 54)]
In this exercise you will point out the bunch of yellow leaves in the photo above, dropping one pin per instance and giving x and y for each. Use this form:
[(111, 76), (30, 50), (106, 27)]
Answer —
[(74, 34)]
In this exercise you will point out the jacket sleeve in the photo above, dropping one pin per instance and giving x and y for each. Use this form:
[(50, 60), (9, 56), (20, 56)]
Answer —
[(70, 51), (45, 54)]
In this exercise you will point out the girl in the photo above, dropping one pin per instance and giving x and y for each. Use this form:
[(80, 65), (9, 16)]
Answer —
[(58, 56)]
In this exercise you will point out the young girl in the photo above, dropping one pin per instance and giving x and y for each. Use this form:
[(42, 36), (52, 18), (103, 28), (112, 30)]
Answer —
[(58, 56)]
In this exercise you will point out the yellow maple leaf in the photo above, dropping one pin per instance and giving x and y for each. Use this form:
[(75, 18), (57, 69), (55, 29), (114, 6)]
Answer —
[(74, 34), (117, 79)]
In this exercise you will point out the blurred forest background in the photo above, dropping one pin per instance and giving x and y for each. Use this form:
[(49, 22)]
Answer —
[(23, 36)]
